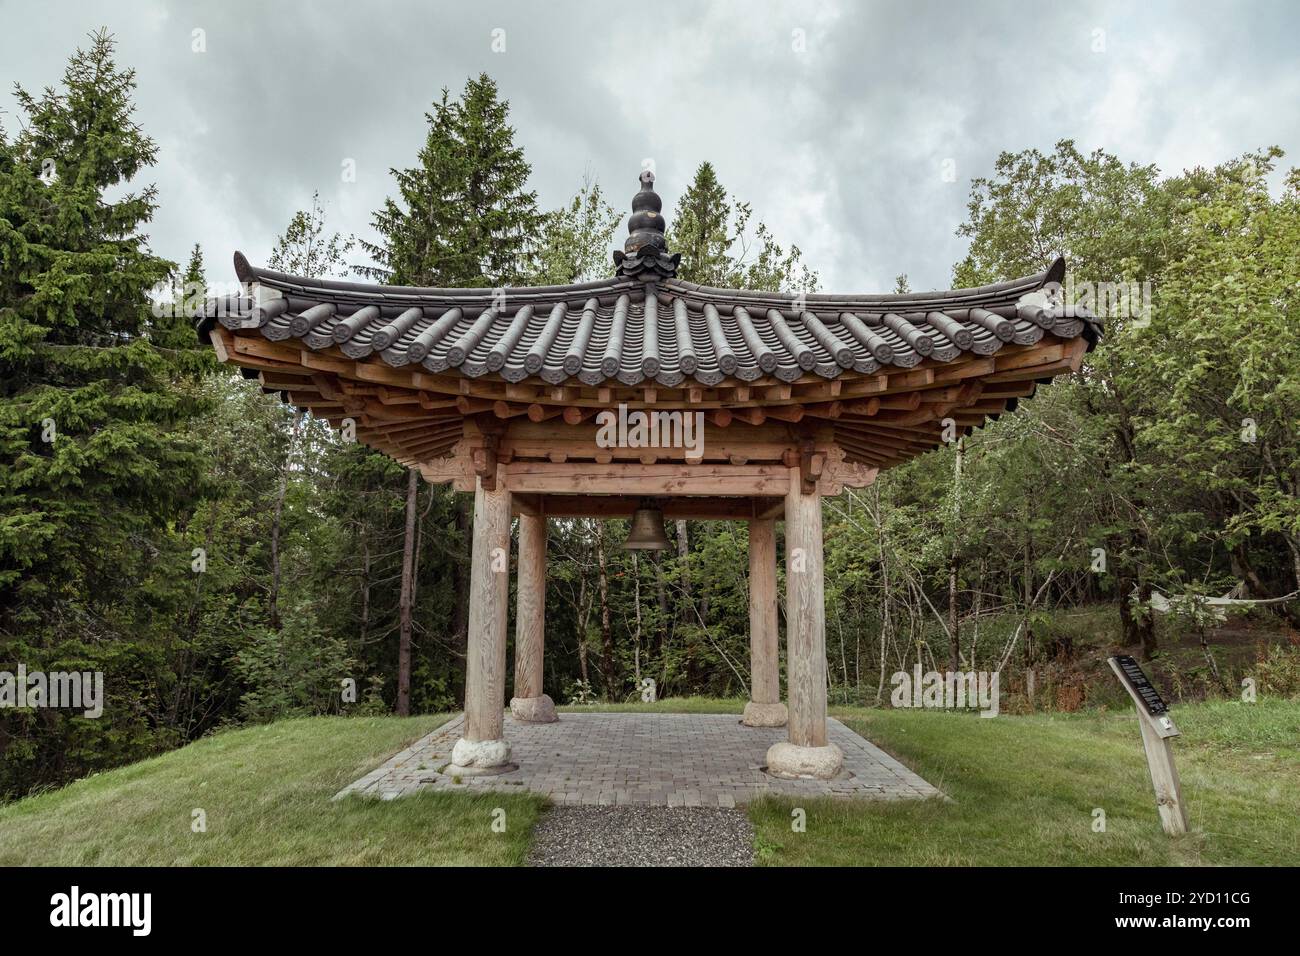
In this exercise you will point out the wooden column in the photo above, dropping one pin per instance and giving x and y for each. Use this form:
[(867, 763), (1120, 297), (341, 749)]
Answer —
[(489, 592), (764, 708), (807, 753), (805, 615), (529, 703)]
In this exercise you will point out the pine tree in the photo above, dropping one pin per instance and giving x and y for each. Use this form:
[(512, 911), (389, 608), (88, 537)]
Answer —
[(191, 295), (464, 217), (718, 248), (91, 456), (700, 230), (195, 279)]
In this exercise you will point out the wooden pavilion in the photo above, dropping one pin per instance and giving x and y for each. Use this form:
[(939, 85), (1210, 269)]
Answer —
[(500, 392)]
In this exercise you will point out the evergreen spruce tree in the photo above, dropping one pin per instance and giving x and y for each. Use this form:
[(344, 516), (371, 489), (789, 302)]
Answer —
[(700, 229), (91, 455), (465, 216), (195, 281), (713, 235), (188, 299)]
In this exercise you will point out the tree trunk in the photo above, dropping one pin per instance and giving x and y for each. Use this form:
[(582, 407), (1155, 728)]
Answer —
[(365, 588), (1146, 623), (404, 604), (1244, 569), (1209, 658), (636, 639), (273, 601), (686, 610), (665, 611), (1138, 628), (954, 647), (582, 633), (1125, 583), (606, 628), (459, 583), (683, 552), (885, 596), (1027, 573)]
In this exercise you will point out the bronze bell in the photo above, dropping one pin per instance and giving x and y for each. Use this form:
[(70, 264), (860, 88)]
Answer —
[(647, 530)]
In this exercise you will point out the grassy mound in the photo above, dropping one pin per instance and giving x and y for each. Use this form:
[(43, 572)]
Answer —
[(266, 793)]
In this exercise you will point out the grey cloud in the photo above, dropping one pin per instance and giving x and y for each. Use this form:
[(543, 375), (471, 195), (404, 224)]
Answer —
[(840, 147)]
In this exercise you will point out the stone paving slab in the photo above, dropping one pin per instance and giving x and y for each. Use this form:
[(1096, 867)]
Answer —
[(674, 760)]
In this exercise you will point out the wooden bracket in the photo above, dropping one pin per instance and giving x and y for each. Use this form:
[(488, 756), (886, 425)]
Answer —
[(811, 465), (485, 462)]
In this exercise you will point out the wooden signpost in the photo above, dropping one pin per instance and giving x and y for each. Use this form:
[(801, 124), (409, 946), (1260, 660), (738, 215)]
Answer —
[(1157, 729)]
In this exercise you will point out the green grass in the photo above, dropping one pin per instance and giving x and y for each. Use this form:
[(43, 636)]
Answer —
[(266, 792), (1024, 789)]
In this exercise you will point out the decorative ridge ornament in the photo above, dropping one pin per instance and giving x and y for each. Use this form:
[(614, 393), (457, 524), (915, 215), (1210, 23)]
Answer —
[(645, 253)]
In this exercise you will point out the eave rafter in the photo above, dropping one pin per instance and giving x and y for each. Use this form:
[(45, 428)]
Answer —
[(505, 385), (880, 420)]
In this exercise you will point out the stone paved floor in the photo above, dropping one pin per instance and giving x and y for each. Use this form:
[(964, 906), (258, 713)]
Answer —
[(691, 760)]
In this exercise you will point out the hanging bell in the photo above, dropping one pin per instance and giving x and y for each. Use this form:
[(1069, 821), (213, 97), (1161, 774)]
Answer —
[(647, 530)]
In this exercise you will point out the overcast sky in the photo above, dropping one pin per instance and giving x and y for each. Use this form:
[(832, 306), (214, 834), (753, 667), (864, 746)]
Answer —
[(834, 119)]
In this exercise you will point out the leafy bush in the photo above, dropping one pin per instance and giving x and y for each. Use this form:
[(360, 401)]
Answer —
[(294, 672), (1277, 673)]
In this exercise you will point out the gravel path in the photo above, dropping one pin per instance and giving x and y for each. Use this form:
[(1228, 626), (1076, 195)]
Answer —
[(643, 836)]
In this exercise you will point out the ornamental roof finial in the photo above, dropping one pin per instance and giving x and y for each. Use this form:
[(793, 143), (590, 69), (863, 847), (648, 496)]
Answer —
[(645, 253)]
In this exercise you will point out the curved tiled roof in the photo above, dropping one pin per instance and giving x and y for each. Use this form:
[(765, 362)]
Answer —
[(669, 332), (875, 374)]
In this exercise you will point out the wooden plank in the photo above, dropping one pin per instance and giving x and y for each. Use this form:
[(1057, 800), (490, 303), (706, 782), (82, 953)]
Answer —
[(327, 363), (658, 479), (1040, 355), (1033, 372), (696, 508), (717, 450), (258, 347), (961, 371), (393, 396), (521, 392), (279, 378)]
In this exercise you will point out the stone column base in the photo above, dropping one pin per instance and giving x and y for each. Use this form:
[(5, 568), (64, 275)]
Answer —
[(473, 758), (764, 715), (793, 762), (534, 710)]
